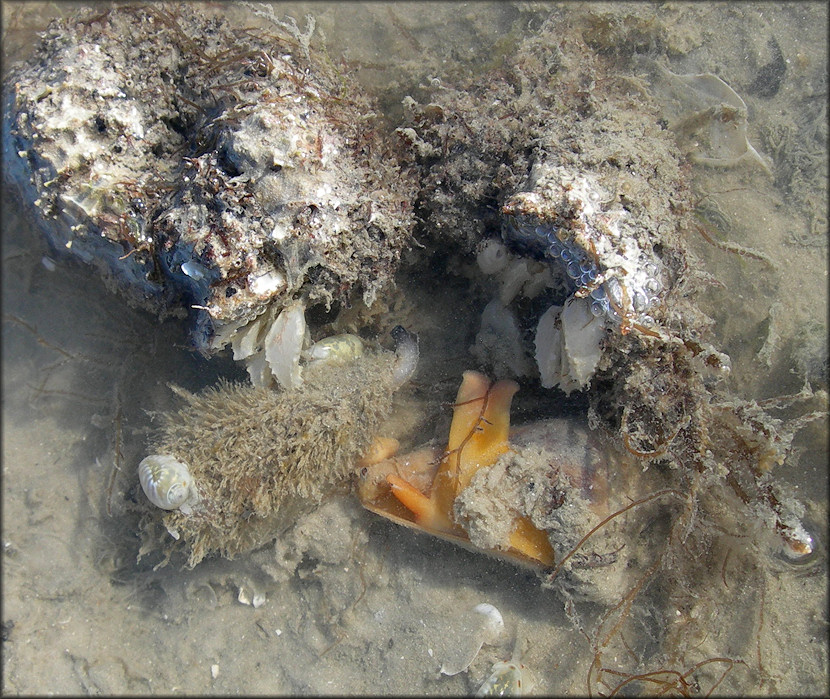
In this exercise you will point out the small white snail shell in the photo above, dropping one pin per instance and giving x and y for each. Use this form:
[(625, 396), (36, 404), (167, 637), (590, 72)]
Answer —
[(166, 481)]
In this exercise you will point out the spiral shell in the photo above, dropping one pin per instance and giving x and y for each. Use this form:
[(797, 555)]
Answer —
[(166, 481)]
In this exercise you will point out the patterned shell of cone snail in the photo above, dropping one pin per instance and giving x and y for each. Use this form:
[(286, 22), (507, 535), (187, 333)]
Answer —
[(166, 482)]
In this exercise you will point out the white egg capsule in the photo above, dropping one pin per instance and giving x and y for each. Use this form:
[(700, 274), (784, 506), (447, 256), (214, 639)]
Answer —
[(166, 481)]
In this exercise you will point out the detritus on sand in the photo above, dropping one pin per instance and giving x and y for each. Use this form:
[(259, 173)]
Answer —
[(350, 596)]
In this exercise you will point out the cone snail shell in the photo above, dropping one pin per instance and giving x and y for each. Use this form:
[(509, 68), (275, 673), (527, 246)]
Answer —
[(166, 481)]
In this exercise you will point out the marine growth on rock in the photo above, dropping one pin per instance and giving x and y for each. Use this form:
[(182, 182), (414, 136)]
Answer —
[(235, 176), (206, 169)]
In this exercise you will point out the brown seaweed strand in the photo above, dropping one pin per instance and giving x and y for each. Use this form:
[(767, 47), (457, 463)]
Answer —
[(613, 515)]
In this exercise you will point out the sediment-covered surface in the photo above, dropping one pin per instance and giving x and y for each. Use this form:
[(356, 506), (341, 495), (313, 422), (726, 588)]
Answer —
[(693, 583), (206, 168)]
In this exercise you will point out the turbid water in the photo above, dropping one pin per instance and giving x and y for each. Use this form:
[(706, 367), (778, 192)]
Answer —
[(346, 602)]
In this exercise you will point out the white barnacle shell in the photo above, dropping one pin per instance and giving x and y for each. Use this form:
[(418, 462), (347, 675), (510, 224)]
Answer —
[(166, 482)]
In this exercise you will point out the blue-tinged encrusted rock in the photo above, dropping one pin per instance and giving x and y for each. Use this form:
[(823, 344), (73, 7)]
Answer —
[(205, 168)]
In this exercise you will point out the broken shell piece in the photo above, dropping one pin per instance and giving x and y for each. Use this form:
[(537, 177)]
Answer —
[(483, 625), (251, 598), (494, 624), (713, 126), (258, 370), (247, 341)]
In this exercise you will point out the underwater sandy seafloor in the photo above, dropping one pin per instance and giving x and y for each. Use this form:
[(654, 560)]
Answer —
[(373, 608)]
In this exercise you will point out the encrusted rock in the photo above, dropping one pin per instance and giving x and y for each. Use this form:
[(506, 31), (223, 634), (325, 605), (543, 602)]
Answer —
[(203, 167)]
